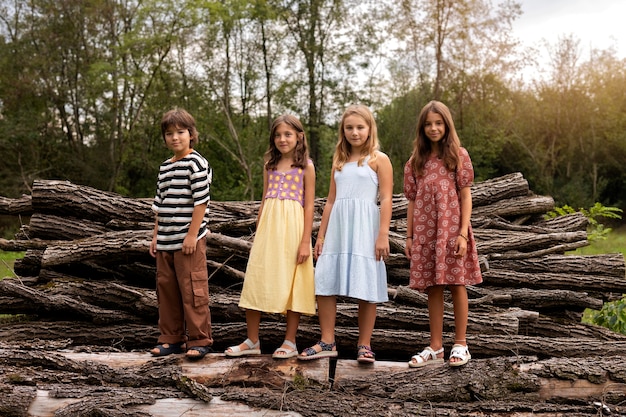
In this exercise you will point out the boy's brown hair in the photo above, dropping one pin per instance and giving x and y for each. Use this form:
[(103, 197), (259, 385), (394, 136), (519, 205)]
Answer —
[(180, 118)]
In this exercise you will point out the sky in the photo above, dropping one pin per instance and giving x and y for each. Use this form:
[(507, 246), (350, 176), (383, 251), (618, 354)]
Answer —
[(598, 24)]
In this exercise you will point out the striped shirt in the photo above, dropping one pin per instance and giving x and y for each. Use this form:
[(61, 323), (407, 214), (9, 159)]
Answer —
[(181, 186)]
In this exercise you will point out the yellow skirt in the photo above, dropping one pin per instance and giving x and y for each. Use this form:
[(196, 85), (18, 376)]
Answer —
[(274, 282)]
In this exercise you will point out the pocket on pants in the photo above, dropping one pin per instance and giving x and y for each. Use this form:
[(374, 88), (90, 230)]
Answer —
[(200, 288)]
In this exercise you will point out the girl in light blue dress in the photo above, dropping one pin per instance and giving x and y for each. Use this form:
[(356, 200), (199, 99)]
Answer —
[(353, 239)]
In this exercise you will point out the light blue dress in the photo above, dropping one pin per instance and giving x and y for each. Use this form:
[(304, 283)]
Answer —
[(347, 265)]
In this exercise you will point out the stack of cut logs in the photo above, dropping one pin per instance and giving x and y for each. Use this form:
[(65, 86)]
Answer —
[(87, 280)]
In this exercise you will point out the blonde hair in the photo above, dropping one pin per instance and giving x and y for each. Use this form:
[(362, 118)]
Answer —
[(449, 147), (343, 148)]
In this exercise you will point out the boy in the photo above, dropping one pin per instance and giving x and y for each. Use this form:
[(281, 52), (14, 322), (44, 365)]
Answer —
[(179, 244)]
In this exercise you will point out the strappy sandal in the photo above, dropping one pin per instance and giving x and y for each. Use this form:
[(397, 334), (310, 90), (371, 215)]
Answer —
[(426, 357), (253, 349), (326, 352), (365, 354), (459, 352), (202, 352), (282, 353), (172, 348)]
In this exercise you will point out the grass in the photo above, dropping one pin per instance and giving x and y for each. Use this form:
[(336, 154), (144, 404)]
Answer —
[(7, 259), (614, 243)]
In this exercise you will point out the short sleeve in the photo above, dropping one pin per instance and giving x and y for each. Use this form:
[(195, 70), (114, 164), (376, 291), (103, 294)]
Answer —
[(410, 186), (465, 175)]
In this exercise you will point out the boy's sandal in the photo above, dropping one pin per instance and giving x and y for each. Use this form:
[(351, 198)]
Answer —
[(162, 350), (253, 349), (202, 351), (460, 352), (283, 353), (426, 357), (326, 352), (365, 354)]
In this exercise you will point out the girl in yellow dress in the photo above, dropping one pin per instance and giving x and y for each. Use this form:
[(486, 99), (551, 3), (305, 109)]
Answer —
[(279, 275)]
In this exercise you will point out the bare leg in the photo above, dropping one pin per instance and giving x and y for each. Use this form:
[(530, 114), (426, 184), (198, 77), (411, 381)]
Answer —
[(327, 313), (435, 319), (461, 312), (435, 316), (367, 320), (253, 322), (293, 321)]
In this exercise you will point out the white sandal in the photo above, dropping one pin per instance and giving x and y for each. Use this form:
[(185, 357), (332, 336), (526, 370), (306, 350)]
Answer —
[(282, 353), (253, 349), (426, 357), (460, 352)]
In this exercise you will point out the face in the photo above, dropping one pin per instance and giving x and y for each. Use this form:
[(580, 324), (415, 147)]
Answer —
[(285, 139), (177, 140), (356, 130), (434, 127)]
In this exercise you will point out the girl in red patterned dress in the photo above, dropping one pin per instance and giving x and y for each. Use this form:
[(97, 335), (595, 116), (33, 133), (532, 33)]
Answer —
[(440, 243)]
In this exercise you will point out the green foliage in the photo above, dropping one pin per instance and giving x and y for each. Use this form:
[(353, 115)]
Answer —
[(83, 86), (7, 259), (595, 230), (612, 316)]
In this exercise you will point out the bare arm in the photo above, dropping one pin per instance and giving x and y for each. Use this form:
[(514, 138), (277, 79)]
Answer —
[(328, 207), (153, 243), (189, 244), (385, 191), (466, 213), (409, 228), (304, 251)]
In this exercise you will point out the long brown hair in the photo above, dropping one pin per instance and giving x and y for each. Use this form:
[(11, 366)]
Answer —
[(449, 145), (301, 152)]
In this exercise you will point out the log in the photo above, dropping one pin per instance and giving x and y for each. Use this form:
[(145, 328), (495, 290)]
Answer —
[(482, 385), (51, 197), (109, 247), (501, 188), (490, 380), (546, 280), (16, 206), (51, 227), (61, 306), (516, 206), (574, 222), (604, 264), (490, 241), (543, 301)]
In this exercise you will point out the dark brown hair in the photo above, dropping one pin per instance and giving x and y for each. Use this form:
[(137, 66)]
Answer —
[(181, 119), (422, 147), (301, 152)]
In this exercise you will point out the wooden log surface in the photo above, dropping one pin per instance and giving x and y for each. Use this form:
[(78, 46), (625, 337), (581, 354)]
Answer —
[(16, 206), (356, 388), (89, 287)]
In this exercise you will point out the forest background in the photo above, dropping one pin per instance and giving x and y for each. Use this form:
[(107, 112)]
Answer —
[(84, 83)]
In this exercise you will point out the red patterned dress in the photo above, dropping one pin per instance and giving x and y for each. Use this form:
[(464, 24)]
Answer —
[(436, 221)]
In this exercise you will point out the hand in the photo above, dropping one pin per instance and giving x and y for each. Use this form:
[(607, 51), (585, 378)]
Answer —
[(189, 245), (460, 247), (317, 251), (382, 248), (304, 251), (407, 247), (153, 249)]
